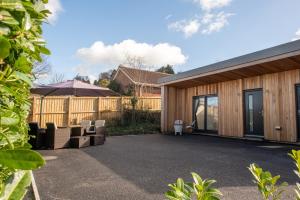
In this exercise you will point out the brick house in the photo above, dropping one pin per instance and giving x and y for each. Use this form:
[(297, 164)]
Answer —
[(143, 82)]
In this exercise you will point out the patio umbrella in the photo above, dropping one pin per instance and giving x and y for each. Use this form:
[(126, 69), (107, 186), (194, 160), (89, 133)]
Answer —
[(70, 88)]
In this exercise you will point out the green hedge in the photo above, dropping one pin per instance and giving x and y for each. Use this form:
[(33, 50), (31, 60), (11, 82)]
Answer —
[(21, 45)]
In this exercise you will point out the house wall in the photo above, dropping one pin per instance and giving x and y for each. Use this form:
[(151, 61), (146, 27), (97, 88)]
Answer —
[(123, 80), (279, 103), (144, 91)]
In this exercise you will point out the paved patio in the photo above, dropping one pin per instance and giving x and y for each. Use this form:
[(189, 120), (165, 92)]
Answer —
[(140, 167)]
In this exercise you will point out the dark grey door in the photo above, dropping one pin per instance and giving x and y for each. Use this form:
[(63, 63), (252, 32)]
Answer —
[(254, 122), (298, 109)]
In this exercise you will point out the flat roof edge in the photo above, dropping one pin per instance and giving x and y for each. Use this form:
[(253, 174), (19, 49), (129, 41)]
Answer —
[(247, 59)]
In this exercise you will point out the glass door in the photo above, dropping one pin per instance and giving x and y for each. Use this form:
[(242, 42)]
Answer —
[(200, 113), (212, 114), (205, 113)]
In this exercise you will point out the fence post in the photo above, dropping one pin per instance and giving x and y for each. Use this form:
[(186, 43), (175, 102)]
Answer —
[(143, 105), (99, 108), (33, 109), (69, 111), (122, 110)]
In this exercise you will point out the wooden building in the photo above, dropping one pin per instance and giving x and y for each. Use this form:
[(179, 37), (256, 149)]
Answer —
[(255, 95), (143, 82)]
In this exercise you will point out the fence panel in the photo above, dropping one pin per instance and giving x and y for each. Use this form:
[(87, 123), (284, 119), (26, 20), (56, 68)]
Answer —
[(68, 111)]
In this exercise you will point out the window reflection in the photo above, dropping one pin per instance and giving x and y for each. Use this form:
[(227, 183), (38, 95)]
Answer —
[(206, 113), (250, 107), (200, 113), (212, 113)]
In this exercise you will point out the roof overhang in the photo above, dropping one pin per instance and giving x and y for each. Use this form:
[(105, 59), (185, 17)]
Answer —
[(276, 59)]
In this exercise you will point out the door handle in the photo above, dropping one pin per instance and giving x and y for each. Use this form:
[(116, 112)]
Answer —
[(262, 112)]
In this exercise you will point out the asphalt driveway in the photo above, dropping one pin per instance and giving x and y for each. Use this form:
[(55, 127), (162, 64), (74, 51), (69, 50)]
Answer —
[(140, 167)]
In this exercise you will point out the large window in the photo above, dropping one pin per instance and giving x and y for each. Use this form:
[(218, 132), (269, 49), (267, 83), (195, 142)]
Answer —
[(205, 113)]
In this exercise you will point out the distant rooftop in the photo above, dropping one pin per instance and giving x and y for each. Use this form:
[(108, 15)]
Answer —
[(143, 76), (75, 84)]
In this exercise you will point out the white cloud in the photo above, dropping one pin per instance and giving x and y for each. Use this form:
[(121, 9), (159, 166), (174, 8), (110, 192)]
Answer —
[(55, 8), (210, 22), (107, 56), (207, 24), (216, 22), (85, 70), (208, 5), (189, 28), (168, 17), (297, 35)]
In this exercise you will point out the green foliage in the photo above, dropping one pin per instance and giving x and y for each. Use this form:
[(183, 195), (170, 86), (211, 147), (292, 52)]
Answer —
[(266, 183), (179, 191), (141, 116), (104, 82), (114, 86), (21, 188), (131, 90), (295, 155), (21, 159), (21, 45), (166, 69), (201, 189), (138, 129), (84, 79)]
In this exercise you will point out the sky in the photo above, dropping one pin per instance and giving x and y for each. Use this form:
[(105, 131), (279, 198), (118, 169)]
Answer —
[(93, 36)]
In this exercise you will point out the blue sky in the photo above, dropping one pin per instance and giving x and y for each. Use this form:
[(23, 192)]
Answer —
[(186, 33)]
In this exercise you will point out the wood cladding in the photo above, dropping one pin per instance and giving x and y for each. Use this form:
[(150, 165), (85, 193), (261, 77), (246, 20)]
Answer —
[(279, 103), (231, 108)]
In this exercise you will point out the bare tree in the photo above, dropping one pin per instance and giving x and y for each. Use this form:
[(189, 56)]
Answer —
[(57, 78), (138, 63), (42, 68)]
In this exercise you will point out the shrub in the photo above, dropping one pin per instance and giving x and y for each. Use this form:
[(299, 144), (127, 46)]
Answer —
[(21, 45), (295, 155), (201, 189), (141, 116), (266, 183)]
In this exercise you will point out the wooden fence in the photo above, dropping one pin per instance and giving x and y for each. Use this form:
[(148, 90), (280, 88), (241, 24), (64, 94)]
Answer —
[(68, 111)]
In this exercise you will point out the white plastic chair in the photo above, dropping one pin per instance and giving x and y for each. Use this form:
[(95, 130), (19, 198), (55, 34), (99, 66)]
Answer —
[(178, 127)]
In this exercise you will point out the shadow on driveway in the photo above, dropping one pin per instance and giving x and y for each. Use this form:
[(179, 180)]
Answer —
[(140, 167)]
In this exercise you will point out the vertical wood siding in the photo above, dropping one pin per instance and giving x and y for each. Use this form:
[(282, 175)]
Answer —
[(279, 103), (231, 108), (66, 111)]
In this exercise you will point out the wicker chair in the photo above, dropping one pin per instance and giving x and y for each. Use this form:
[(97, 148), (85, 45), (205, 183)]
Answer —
[(100, 127), (100, 136), (38, 135), (57, 137), (87, 127)]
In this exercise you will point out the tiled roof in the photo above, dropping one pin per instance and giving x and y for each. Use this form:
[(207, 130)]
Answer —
[(143, 76)]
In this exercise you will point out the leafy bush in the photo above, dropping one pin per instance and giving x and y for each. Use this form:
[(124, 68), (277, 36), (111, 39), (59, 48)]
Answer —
[(141, 128), (295, 155), (21, 45), (266, 183), (141, 116), (201, 189)]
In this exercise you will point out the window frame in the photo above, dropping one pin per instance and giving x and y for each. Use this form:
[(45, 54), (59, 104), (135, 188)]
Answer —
[(205, 130)]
